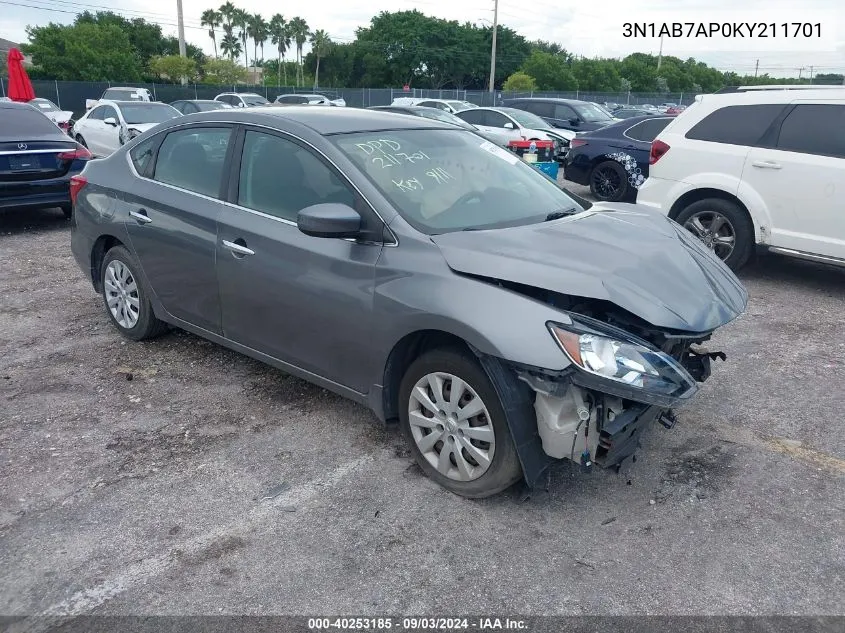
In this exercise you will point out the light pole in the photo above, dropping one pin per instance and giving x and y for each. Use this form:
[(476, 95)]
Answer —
[(660, 54), (493, 48), (180, 21)]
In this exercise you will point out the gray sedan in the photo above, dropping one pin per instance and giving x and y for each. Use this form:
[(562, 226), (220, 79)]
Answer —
[(415, 268)]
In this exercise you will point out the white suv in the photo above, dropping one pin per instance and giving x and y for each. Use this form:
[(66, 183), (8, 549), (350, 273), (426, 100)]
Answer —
[(756, 168), (242, 99)]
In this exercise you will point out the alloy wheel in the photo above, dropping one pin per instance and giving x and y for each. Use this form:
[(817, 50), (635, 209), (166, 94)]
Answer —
[(714, 230), (606, 182), (451, 426), (121, 291)]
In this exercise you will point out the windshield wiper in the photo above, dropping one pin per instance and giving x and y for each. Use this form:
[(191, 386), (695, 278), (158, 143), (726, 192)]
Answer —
[(561, 213)]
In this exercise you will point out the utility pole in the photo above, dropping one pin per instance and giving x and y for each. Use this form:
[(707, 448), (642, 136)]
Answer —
[(493, 49), (180, 20), (811, 74), (756, 67), (800, 72), (660, 54)]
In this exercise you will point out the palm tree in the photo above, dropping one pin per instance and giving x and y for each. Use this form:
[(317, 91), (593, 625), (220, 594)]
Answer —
[(240, 19), (321, 43), (231, 46), (227, 14), (257, 30), (299, 32), (279, 36), (211, 19)]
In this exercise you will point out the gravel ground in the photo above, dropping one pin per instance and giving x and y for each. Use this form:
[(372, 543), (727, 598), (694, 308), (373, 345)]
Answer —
[(177, 477)]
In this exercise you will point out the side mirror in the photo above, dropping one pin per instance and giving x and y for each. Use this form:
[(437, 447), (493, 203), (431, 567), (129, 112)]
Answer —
[(575, 121), (110, 121), (508, 125), (329, 220)]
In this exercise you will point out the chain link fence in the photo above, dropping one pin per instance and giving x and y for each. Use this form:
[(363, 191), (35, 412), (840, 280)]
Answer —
[(71, 95)]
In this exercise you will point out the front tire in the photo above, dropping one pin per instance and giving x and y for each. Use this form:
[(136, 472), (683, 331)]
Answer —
[(455, 424), (723, 227), (125, 297), (81, 141), (609, 181)]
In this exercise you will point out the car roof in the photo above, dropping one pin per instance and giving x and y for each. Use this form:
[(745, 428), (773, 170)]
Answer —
[(325, 121), (12, 105), (770, 96), (548, 100)]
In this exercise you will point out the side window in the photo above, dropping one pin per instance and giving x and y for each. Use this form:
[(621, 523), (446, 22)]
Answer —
[(564, 112), (280, 178), (141, 155), (433, 104), (814, 129), (496, 119), (539, 108), (647, 130), (96, 114), (736, 125), (227, 99), (192, 158), (109, 111), (475, 117), (179, 105)]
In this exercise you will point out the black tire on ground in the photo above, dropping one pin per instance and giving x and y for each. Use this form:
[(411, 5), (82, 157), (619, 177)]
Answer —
[(504, 469), (740, 223), (147, 326), (67, 210), (81, 140), (614, 172)]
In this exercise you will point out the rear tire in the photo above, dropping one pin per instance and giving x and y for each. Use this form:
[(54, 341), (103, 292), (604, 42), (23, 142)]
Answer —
[(81, 141), (68, 211), (733, 239), (609, 181), (126, 298), (468, 471)]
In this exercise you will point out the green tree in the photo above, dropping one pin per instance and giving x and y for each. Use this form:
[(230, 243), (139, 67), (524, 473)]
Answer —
[(279, 36), (211, 19), (174, 67), (86, 51), (257, 30), (299, 32), (596, 75), (520, 82), (240, 20), (224, 72), (550, 71), (321, 44), (144, 37), (231, 46)]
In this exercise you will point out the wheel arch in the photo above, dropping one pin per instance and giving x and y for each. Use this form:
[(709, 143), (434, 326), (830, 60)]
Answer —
[(703, 193), (102, 245)]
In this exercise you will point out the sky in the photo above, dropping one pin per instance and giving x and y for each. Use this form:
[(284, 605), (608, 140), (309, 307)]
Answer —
[(588, 29)]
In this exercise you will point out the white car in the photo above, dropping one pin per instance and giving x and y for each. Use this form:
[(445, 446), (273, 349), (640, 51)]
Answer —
[(519, 125), (110, 124), (308, 99), (753, 168), (242, 99), (121, 94), (60, 117), (453, 106)]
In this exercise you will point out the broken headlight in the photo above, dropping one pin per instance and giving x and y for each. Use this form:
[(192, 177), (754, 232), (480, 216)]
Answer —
[(618, 363)]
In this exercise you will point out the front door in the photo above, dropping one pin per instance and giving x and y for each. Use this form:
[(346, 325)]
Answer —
[(801, 179), (304, 300), (171, 217)]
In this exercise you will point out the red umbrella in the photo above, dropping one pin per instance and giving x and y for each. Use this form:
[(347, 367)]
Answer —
[(20, 87)]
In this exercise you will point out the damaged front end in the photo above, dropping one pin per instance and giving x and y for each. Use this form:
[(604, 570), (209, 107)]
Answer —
[(618, 383)]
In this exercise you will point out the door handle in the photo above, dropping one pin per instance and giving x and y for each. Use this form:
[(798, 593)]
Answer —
[(238, 249), (140, 216), (766, 164)]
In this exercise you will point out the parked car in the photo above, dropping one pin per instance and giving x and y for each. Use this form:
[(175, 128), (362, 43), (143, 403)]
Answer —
[(401, 263), (519, 125), (757, 167), (613, 161), (62, 118), (121, 94), (675, 109), (604, 109), (499, 137), (37, 160), (628, 113), (191, 106), (568, 114), (308, 99), (447, 105), (242, 99), (110, 124), (647, 106)]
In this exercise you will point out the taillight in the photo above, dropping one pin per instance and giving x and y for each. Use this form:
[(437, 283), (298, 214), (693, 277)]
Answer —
[(80, 153), (577, 142), (76, 184), (658, 149)]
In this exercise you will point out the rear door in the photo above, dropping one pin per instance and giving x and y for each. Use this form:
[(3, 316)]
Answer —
[(801, 176), (93, 130), (171, 217)]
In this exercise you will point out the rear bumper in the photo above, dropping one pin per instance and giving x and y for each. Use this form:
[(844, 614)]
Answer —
[(36, 200), (658, 193), (577, 169)]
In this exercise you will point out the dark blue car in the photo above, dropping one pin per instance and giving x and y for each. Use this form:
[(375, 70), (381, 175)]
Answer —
[(37, 160), (613, 161)]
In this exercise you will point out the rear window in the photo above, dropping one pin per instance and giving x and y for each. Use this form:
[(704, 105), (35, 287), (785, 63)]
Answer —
[(647, 130), (27, 123), (814, 129), (736, 125), (119, 95)]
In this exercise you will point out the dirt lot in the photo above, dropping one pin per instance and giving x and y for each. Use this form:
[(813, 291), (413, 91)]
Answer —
[(178, 477)]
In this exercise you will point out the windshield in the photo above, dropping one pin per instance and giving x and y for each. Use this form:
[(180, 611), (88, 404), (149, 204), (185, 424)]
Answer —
[(445, 117), (147, 113), (452, 180), (254, 100), (592, 114), (206, 106), (526, 119), (44, 105), (461, 105)]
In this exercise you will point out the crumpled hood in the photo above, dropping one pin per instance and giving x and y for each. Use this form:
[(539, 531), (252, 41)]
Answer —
[(633, 257)]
